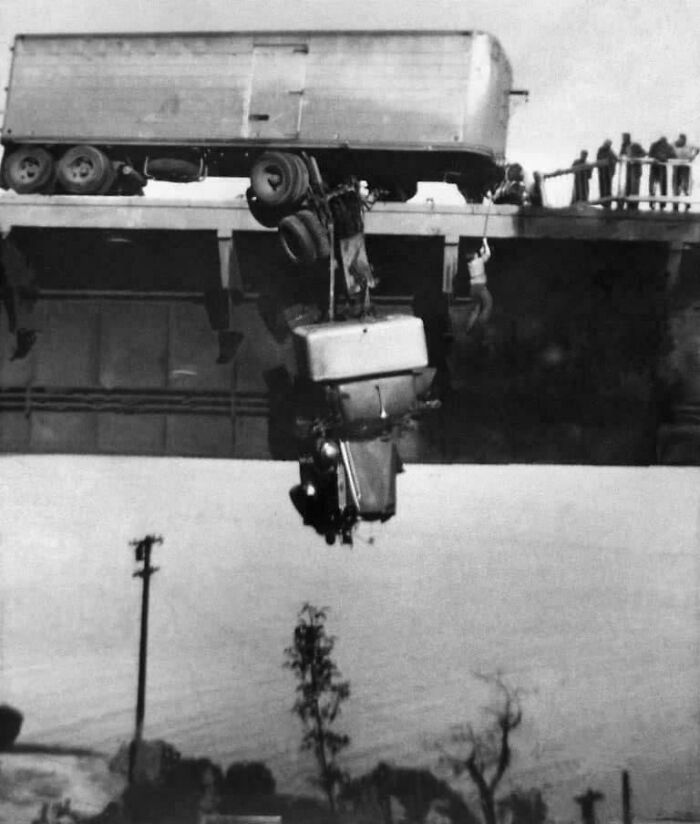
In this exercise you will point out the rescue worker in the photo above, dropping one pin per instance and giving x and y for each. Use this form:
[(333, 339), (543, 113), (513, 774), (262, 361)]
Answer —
[(631, 153), (19, 294), (681, 173), (660, 152), (513, 189), (582, 176), (478, 288), (607, 159)]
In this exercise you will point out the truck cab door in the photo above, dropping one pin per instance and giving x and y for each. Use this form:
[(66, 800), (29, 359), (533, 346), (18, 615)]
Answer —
[(277, 91)]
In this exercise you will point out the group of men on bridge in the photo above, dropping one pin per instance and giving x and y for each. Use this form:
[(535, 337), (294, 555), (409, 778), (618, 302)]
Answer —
[(633, 156)]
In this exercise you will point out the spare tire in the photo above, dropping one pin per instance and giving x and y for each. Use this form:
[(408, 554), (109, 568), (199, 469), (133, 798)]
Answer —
[(174, 169), (279, 179), (298, 241)]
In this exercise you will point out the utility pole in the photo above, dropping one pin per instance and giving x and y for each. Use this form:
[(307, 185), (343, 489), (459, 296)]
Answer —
[(626, 798), (143, 555)]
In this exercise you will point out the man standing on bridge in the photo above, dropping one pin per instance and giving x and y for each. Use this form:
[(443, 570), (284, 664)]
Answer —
[(607, 160), (681, 173), (582, 176), (661, 152), (631, 153)]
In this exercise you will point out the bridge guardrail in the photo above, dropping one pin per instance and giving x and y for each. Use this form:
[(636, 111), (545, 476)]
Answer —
[(635, 181)]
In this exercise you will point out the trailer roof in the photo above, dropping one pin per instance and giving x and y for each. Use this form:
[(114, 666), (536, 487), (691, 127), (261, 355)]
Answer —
[(249, 31)]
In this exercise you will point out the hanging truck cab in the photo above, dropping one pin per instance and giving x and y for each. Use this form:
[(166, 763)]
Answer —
[(370, 375)]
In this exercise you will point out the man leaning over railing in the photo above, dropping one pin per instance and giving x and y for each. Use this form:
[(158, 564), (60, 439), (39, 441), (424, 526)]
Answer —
[(681, 172)]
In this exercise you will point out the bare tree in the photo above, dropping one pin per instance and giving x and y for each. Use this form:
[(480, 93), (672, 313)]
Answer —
[(485, 755)]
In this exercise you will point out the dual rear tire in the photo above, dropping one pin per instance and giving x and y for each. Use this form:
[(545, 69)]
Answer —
[(279, 180), (304, 238), (85, 170), (81, 170), (28, 169), (279, 183)]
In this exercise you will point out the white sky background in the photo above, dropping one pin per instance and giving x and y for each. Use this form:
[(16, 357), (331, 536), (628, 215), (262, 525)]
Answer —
[(594, 68)]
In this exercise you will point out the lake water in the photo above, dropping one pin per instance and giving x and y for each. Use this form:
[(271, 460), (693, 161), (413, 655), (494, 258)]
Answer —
[(579, 584)]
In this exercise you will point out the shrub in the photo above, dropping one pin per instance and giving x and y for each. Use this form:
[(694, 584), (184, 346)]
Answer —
[(249, 778), (415, 789)]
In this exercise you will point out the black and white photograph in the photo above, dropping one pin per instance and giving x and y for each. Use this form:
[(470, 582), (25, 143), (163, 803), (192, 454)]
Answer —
[(349, 412)]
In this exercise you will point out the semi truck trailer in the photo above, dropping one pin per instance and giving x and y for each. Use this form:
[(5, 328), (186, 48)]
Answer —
[(96, 114)]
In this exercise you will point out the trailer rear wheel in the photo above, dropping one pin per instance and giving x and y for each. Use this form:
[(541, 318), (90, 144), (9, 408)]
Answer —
[(85, 170), (317, 232), (269, 216), (28, 169), (279, 179), (298, 241)]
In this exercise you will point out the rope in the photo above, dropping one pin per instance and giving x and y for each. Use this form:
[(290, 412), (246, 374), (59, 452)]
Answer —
[(488, 212), (331, 267)]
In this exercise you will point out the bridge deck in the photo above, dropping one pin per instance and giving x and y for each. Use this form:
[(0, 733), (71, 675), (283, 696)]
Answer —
[(418, 219)]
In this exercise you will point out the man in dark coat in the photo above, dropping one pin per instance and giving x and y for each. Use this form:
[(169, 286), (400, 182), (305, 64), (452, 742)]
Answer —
[(582, 176), (631, 153), (661, 152), (607, 159)]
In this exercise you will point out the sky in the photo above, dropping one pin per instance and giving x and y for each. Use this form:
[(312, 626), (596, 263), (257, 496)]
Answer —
[(594, 68)]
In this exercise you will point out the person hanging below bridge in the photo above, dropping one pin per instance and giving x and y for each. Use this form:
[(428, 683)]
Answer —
[(582, 176), (607, 160), (19, 293), (681, 173), (631, 153), (478, 287), (660, 152)]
